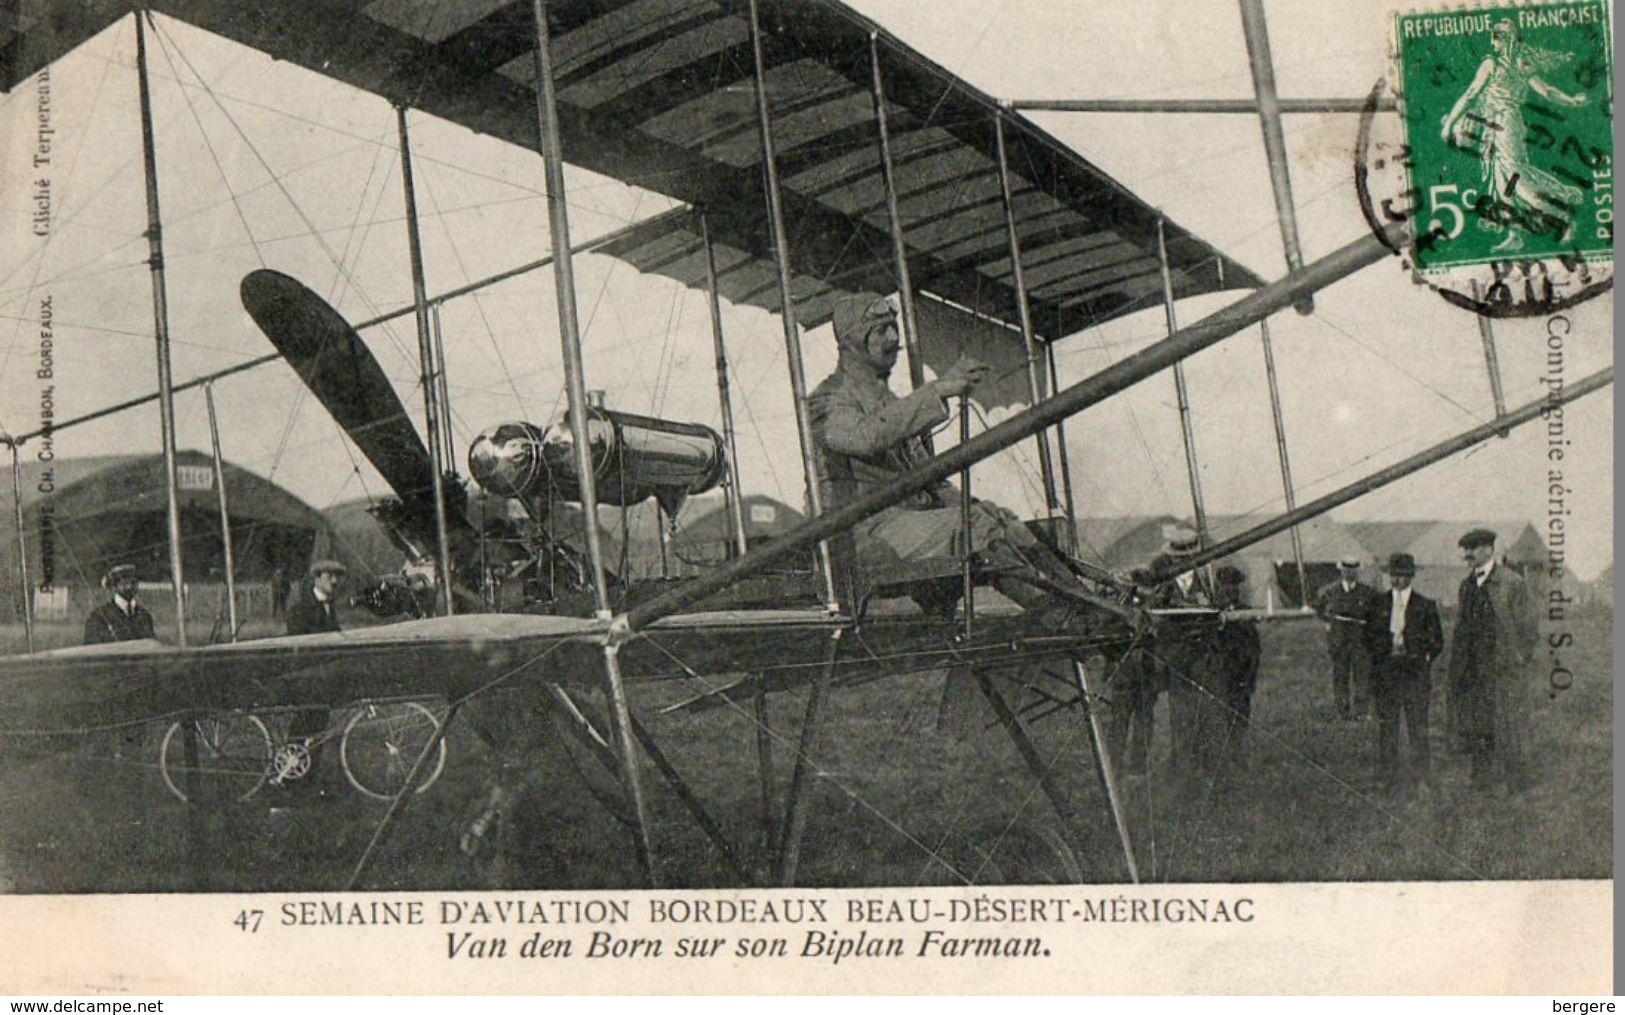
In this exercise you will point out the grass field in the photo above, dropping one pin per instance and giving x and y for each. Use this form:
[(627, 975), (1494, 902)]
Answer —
[(899, 799)]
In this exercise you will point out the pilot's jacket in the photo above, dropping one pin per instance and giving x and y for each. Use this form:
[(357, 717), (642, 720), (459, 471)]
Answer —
[(868, 436)]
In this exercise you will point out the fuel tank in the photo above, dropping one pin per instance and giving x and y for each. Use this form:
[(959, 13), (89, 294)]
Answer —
[(633, 458)]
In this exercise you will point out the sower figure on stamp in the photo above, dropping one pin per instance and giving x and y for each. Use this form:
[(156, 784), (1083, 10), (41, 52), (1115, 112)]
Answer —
[(867, 436), (1403, 637), (1489, 687), (121, 618), (1344, 605)]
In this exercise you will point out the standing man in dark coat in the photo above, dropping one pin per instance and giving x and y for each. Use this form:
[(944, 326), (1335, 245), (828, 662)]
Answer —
[(1403, 637), (1490, 654), (314, 610), (1344, 605), (1240, 650), (121, 618)]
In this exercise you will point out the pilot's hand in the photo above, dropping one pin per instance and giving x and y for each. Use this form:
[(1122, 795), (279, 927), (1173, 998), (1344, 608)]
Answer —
[(962, 376)]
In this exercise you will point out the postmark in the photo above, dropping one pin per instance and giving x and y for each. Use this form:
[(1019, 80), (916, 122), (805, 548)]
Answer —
[(1501, 154)]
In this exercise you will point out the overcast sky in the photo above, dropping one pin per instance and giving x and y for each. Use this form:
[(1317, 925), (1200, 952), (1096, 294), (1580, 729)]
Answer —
[(273, 166)]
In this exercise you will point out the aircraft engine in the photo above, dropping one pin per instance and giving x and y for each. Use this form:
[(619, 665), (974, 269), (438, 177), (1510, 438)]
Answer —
[(633, 458)]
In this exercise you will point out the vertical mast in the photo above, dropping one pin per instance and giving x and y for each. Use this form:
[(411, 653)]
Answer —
[(1029, 343), (1286, 464), (225, 511), (1492, 362), (22, 545), (1256, 30), (888, 178), (787, 312), (160, 322), (1186, 429), (1071, 543), (734, 494), (547, 125), (426, 371)]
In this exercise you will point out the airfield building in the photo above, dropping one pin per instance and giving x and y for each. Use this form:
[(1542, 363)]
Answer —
[(82, 515)]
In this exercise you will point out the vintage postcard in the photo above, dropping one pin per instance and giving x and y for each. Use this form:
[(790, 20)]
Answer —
[(806, 496)]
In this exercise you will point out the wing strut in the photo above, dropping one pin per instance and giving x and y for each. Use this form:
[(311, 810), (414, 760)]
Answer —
[(547, 125), (426, 369), (228, 558), (1256, 29), (22, 546), (734, 492), (160, 321), (1187, 431), (1029, 344), (1492, 362), (1286, 464), (787, 312)]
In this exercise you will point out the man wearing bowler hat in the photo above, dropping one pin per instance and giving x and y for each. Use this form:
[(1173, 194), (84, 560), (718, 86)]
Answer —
[(1402, 637), (1489, 685), (121, 618), (1344, 606)]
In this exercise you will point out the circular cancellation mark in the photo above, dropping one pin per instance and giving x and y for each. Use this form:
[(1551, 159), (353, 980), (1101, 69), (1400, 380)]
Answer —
[(1498, 157)]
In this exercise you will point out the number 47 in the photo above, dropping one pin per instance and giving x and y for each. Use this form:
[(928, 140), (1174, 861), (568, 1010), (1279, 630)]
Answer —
[(248, 920)]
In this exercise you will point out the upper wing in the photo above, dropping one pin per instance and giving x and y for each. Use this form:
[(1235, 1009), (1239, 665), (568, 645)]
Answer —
[(660, 93)]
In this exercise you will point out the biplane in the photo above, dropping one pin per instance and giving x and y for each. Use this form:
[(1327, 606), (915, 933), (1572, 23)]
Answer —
[(900, 178)]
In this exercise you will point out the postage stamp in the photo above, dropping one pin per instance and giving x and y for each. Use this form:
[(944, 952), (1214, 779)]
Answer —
[(1508, 118)]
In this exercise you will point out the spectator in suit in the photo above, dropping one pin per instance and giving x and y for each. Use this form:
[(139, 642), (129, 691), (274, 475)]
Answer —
[(1344, 605), (1403, 637), (315, 606), (121, 618), (314, 610), (1240, 651), (1489, 686)]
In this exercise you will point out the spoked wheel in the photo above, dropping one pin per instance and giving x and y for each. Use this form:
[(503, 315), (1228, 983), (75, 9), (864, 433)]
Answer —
[(381, 743), (229, 761)]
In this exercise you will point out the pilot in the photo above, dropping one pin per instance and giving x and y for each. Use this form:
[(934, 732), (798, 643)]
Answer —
[(868, 436), (121, 618)]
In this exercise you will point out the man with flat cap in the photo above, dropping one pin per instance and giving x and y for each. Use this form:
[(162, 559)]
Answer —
[(1489, 685), (121, 618), (1344, 606), (1403, 637), (314, 608), (867, 436)]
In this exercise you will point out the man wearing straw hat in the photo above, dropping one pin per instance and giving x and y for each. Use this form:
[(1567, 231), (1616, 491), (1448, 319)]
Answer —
[(1403, 637), (121, 618)]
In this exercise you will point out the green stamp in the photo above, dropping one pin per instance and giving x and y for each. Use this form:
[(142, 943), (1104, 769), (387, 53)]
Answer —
[(1508, 117)]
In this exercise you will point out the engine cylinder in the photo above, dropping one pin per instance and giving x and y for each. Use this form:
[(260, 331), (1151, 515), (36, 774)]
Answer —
[(633, 458)]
